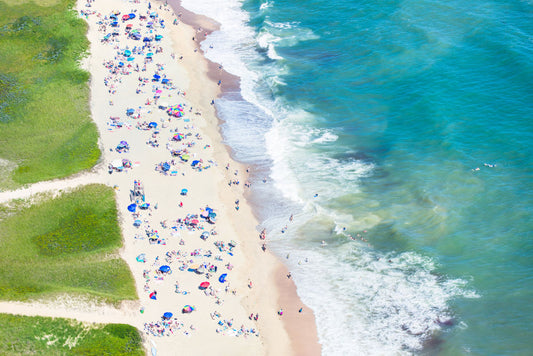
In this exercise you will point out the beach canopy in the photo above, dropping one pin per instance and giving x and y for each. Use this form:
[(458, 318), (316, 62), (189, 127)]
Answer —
[(141, 257), (204, 285), (132, 207), (167, 315), (187, 309), (164, 268), (222, 278)]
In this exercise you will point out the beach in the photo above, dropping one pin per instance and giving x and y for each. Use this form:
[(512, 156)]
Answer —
[(187, 222)]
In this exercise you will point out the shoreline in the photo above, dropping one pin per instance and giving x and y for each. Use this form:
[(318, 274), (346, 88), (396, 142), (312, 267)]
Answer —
[(300, 327)]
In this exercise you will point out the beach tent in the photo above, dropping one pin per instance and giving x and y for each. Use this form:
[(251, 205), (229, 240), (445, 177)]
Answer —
[(158, 37), (167, 315), (141, 257), (152, 124), (184, 191), (164, 268), (187, 309), (130, 112), (132, 207), (222, 278), (137, 223)]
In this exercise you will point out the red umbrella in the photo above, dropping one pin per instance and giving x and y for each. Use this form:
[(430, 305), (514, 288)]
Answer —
[(204, 285)]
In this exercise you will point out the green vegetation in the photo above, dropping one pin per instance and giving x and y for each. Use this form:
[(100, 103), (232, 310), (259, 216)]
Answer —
[(64, 245), (23, 335), (45, 118)]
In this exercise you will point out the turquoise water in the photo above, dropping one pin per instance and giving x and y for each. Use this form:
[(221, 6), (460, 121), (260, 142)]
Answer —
[(369, 121)]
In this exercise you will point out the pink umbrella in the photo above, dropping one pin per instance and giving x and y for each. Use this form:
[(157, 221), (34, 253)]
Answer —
[(204, 285)]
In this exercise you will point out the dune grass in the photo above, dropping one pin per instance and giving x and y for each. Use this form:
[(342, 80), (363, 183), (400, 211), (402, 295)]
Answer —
[(64, 245), (45, 118), (23, 335)]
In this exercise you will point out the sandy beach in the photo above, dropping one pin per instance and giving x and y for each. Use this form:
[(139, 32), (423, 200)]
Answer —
[(190, 238)]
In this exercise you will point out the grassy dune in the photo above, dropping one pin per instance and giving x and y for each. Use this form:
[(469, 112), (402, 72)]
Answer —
[(23, 335), (64, 245), (45, 119)]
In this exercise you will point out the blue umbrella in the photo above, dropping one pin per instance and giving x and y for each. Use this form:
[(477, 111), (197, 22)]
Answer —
[(184, 192), (132, 16), (152, 124), (164, 268), (195, 162), (132, 207), (166, 166), (222, 278), (157, 76), (164, 81), (137, 223), (167, 315)]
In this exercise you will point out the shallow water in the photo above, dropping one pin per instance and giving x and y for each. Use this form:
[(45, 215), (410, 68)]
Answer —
[(372, 119)]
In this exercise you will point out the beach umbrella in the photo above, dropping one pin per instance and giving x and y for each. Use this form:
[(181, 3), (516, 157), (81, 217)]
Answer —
[(166, 166), (195, 162), (152, 124), (204, 235), (185, 157), (130, 112), (150, 54), (200, 270), (164, 268), (132, 207), (193, 267), (131, 16), (158, 91), (125, 17), (158, 37), (141, 257), (121, 64), (153, 295), (137, 223), (147, 39), (164, 81), (144, 206), (157, 76), (222, 278), (194, 222), (187, 309), (127, 53), (153, 14), (204, 285), (184, 191), (167, 315)]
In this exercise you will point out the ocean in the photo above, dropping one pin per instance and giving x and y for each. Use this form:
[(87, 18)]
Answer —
[(399, 135)]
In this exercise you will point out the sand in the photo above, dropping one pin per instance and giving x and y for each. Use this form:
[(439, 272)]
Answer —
[(220, 323)]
